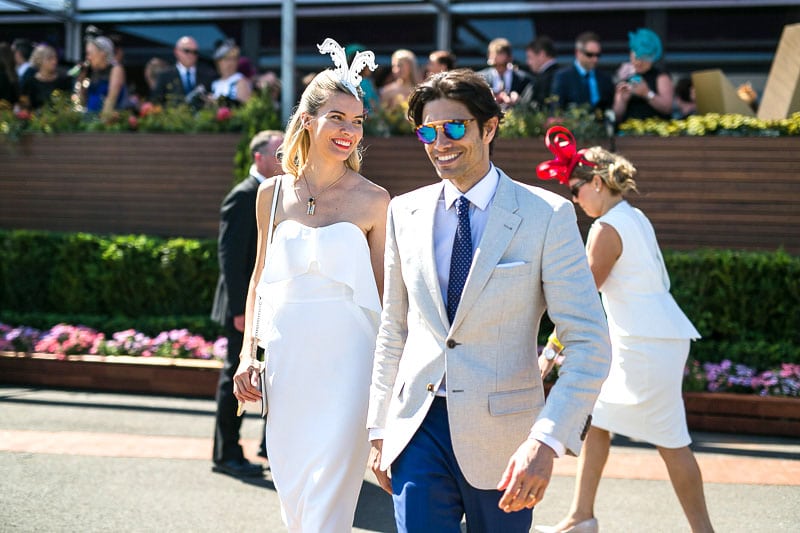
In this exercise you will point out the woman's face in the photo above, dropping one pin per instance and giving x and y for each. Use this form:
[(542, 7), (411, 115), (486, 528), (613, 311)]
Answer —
[(401, 68), (96, 57), (338, 127), (640, 65), (586, 195), (49, 64), (227, 65)]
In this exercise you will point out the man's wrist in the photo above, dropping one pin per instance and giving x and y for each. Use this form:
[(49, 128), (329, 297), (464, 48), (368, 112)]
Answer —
[(549, 353)]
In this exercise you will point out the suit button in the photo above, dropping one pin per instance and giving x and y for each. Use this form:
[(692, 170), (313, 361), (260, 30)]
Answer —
[(430, 387), (451, 343)]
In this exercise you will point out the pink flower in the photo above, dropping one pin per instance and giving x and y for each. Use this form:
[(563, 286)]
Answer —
[(223, 114), (148, 108), (133, 122)]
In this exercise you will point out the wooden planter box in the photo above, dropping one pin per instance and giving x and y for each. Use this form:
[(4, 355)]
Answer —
[(150, 375), (742, 413), (721, 192)]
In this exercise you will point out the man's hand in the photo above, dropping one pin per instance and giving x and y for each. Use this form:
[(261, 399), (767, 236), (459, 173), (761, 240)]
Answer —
[(375, 464), (526, 477), (238, 323)]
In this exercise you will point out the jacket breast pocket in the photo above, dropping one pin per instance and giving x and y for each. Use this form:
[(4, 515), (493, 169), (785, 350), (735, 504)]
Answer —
[(513, 401), (511, 269)]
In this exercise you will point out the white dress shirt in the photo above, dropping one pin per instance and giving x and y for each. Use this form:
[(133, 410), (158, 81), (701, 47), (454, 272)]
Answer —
[(446, 220)]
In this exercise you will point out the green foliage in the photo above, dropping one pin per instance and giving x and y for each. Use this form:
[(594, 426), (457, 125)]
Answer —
[(746, 305), (388, 122), (580, 120), (713, 124), (132, 276), (27, 267), (60, 117), (260, 114)]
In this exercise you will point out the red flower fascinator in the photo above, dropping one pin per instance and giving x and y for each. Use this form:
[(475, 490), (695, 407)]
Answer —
[(560, 141)]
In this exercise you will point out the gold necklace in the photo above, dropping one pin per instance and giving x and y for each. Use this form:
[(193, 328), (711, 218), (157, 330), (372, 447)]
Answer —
[(311, 204)]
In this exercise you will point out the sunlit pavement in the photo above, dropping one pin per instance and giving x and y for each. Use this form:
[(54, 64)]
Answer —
[(84, 461)]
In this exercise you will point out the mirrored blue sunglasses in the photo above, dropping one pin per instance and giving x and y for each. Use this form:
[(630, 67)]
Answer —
[(453, 129)]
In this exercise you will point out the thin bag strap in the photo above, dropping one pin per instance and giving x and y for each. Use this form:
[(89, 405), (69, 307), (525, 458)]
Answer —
[(275, 193)]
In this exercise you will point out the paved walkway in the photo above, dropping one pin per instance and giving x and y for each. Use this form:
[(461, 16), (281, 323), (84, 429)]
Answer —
[(81, 461)]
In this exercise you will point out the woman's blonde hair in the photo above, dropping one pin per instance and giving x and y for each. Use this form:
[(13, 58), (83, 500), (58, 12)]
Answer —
[(295, 148), (40, 53), (616, 172), (407, 56)]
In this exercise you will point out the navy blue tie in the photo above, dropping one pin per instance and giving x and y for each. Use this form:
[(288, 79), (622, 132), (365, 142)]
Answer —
[(188, 82), (461, 259)]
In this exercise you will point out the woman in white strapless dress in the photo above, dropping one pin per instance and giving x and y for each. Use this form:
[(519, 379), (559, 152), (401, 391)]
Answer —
[(320, 284)]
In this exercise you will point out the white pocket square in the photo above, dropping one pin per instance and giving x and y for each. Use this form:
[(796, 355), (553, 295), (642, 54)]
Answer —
[(512, 264)]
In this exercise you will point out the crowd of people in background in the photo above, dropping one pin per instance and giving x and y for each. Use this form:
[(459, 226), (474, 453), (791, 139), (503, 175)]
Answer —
[(641, 87), (31, 74)]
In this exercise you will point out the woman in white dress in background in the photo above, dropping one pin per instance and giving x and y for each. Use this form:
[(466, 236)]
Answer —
[(320, 284), (650, 339), (232, 87)]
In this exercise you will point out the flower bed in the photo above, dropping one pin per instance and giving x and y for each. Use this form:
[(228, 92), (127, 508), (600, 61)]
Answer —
[(748, 411), (738, 378), (64, 340), (174, 362)]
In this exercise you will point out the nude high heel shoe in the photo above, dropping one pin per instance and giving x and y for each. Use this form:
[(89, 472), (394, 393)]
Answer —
[(587, 526)]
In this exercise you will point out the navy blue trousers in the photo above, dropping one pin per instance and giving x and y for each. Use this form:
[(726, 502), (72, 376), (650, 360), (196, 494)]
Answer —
[(430, 493)]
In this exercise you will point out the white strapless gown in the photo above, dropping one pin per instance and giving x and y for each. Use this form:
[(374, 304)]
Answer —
[(319, 322)]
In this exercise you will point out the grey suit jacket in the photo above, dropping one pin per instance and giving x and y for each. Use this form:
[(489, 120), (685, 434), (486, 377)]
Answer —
[(530, 259)]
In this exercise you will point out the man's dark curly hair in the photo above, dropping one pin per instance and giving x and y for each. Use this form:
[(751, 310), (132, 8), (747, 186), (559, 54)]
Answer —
[(461, 85)]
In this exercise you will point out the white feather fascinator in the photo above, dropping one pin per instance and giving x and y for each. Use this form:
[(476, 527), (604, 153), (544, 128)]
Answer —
[(350, 76)]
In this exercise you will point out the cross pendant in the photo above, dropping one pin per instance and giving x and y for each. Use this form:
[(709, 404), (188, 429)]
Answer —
[(310, 206)]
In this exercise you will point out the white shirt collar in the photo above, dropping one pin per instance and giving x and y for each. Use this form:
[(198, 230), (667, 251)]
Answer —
[(183, 69), (479, 195), (256, 174), (547, 65), (581, 70), (22, 68)]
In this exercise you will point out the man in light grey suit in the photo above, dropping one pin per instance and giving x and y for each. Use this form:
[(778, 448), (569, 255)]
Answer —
[(457, 414)]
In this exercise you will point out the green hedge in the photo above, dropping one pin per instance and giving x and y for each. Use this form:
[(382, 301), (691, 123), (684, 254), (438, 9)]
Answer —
[(143, 281), (745, 304)]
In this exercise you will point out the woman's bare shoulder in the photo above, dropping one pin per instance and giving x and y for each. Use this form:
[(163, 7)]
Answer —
[(372, 189)]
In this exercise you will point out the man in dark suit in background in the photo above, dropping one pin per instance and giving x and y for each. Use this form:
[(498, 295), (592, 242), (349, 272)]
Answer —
[(540, 55), (174, 85), (23, 48), (581, 82), (237, 254), (507, 82)]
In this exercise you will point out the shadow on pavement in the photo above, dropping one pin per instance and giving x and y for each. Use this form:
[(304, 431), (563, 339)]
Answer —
[(374, 511)]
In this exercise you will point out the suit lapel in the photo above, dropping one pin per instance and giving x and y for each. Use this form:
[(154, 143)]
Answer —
[(424, 218), (501, 227)]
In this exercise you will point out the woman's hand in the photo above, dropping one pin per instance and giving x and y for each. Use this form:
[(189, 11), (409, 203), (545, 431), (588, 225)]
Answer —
[(245, 381), (545, 366)]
